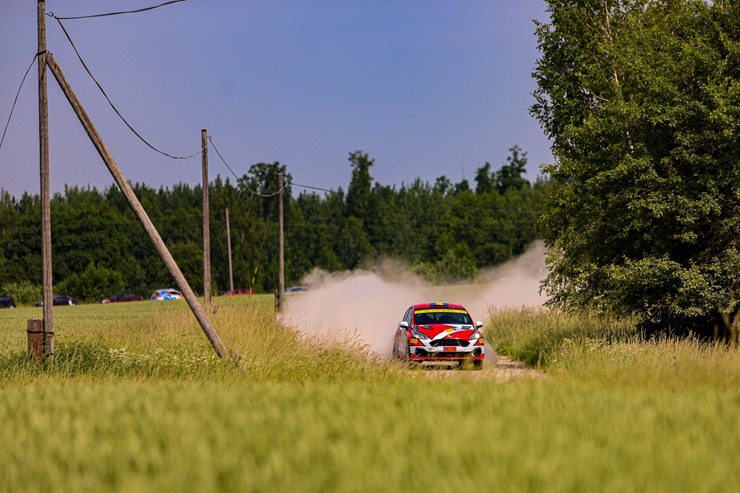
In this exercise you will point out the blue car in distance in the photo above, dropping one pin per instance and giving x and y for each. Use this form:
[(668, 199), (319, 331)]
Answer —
[(166, 294)]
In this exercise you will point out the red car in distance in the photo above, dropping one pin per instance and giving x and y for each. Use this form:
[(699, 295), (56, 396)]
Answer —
[(122, 297), (239, 292)]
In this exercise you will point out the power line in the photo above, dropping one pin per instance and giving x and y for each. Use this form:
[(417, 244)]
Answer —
[(59, 20), (117, 13), (210, 139), (312, 188), (256, 193), (239, 179), (111, 102), (16, 100)]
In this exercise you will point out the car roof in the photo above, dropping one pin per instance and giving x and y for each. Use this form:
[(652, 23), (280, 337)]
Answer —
[(437, 304)]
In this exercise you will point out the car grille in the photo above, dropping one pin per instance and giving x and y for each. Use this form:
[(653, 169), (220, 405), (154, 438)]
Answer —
[(447, 355), (450, 342)]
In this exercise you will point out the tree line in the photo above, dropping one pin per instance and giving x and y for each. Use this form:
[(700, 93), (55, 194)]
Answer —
[(444, 231)]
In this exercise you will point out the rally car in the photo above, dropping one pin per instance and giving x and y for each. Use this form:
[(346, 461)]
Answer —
[(439, 333)]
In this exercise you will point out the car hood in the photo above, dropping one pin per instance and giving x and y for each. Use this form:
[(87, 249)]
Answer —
[(449, 331)]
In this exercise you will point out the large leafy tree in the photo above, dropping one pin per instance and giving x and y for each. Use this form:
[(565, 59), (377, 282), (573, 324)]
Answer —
[(641, 100)]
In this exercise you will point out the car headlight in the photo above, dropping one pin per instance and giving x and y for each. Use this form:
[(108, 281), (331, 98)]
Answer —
[(475, 336), (420, 336)]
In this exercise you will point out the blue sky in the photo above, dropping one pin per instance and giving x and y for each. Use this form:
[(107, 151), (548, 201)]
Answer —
[(426, 88)]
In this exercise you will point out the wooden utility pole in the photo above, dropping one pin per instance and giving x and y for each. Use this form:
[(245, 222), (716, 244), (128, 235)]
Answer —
[(281, 260), (206, 222), (141, 214), (228, 247), (48, 294)]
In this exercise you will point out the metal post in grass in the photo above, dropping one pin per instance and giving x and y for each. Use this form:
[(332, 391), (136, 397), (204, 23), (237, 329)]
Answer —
[(40, 341), (141, 214)]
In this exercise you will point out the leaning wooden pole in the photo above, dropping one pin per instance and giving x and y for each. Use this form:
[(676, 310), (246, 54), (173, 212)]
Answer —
[(128, 192)]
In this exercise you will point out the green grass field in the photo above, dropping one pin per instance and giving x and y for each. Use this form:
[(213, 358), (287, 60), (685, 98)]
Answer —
[(137, 401)]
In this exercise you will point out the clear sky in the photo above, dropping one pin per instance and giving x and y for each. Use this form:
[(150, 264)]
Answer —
[(425, 87)]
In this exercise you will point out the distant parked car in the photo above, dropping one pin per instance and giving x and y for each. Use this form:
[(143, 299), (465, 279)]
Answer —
[(239, 292), (7, 302), (60, 300), (166, 294), (297, 290), (122, 297)]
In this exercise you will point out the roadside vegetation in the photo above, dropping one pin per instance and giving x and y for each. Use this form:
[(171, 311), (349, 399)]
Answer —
[(162, 340), (588, 346), (137, 400)]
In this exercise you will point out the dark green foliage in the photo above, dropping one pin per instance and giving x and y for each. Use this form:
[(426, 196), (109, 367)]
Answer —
[(99, 247), (24, 293), (642, 103), (95, 283)]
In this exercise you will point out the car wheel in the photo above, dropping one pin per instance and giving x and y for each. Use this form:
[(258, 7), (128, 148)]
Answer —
[(403, 354), (471, 364), (406, 358)]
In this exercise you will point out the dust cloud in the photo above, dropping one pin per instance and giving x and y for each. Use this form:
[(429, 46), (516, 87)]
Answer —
[(366, 306)]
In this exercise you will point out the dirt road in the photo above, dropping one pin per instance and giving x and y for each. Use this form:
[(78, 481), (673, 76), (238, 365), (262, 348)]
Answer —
[(495, 367)]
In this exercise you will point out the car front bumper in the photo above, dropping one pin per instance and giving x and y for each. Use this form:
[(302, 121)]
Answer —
[(429, 353)]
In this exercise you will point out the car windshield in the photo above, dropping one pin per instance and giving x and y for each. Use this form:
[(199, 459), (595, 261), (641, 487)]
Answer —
[(442, 316)]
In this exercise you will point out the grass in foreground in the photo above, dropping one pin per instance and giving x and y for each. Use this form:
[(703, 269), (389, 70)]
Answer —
[(415, 435), (615, 413)]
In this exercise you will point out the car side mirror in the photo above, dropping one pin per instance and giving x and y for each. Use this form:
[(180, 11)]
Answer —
[(404, 324), (478, 324)]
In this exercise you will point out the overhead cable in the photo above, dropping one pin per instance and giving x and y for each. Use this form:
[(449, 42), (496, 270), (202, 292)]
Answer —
[(222, 158), (244, 181), (312, 188), (111, 102), (117, 13), (12, 108)]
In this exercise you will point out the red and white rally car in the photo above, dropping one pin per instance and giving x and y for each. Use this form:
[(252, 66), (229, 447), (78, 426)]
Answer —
[(439, 333)]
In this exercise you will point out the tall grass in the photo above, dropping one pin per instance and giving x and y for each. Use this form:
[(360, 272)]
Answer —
[(137, 401), (414, 435), (589, 346), (535, 335), (666, 362), (162, 340)]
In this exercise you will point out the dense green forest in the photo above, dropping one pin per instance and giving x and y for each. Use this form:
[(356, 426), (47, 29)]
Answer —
[(445, 231)]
